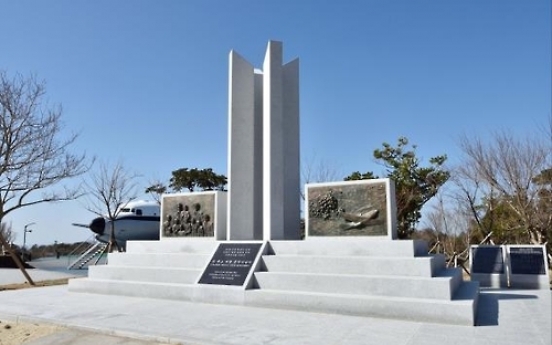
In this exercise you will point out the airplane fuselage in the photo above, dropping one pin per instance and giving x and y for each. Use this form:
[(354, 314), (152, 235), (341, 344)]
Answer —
[(131, 228), (135, 221)]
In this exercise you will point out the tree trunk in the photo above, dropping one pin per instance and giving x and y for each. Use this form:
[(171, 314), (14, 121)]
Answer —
[(112, 239), (16, 259)]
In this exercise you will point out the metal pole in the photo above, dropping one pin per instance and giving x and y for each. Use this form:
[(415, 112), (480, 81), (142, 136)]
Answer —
[(25, 231)]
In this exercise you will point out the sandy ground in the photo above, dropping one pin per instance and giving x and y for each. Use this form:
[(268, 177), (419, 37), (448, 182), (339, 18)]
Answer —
[(21, 333), (17, 333)]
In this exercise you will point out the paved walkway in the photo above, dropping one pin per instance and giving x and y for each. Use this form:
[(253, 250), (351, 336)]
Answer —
[(505, 317)]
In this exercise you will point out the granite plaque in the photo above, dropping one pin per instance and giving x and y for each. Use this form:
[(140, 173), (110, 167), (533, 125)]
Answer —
[(487, 260), (230, 264), (192, 215), (527, 260), (188, 215), (351, 208)]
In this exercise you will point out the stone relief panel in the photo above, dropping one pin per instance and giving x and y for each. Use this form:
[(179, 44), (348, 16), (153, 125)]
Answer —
[(188, 215), (354, 208)]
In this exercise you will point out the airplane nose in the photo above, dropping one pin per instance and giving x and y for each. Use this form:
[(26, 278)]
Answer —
[(98, 225)]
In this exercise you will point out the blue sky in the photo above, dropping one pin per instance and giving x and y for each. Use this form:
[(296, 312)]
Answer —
[(147, 81)]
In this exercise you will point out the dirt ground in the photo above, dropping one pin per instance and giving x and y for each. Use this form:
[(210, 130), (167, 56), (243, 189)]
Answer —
[(17, 333), (37, 284)]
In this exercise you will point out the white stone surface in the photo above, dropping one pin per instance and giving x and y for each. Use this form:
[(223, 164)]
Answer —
[(263, 149), (346, 246), (245, 143), (387, 278), (374, 265), (280, 146), (198, 245), (506, 317), (457, 312)]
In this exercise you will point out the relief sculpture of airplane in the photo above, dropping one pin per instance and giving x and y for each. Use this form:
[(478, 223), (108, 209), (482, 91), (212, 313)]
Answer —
[(136, 221), (359, 219)]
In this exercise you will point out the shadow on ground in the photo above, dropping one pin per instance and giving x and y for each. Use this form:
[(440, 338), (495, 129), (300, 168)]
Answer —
[(488, 306)]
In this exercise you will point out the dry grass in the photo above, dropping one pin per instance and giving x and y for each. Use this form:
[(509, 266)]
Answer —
[(26, 285)]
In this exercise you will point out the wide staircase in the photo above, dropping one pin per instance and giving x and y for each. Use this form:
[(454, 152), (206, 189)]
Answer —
[(352, 276), (391, 279), (156, 269)]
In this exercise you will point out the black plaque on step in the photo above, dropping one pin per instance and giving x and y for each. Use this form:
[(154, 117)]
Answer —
[(487, 260), (527, 260), (230, 264)]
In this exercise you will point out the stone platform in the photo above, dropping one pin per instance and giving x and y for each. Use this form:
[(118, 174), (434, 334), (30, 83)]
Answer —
[(351, 276)]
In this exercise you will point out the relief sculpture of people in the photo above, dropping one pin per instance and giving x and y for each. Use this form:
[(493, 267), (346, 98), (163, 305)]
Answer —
[(188, 216)]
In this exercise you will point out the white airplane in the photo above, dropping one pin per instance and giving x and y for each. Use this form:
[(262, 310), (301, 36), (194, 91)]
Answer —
[(138, 220)]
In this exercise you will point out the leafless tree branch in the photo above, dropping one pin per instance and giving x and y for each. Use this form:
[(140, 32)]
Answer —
[(110, 188), (34, 153)]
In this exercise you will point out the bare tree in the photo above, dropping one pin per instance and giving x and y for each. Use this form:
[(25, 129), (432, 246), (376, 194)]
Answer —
[(8, 235), (110, 188), (476, 197), (34, 155), (512, 175), (156, 189), (7, 232), (318, 170), (450, 221)]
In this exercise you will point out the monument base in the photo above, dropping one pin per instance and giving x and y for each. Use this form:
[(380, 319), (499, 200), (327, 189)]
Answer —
[(352, 276)]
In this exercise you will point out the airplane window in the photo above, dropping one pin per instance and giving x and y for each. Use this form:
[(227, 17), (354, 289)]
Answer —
[(125, 210), (139, 212)]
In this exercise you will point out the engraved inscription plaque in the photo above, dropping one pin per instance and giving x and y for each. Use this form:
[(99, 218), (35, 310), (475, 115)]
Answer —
[(527, 260), (487, 260), (230, 264)]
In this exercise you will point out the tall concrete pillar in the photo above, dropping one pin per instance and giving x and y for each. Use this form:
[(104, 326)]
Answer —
[(263, 166), (280, 146), (245, 143)]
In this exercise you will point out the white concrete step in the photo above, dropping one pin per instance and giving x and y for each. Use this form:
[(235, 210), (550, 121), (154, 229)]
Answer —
[(167, 275), (368, 265), (354, 276), (181, 292), (177, 260), (459, 311), (441, 287), (203, 293), (350, 246), (174, 245)]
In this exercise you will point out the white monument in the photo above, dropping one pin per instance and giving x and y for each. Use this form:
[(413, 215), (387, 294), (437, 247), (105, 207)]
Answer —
[(263, 149), (347, 264)]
